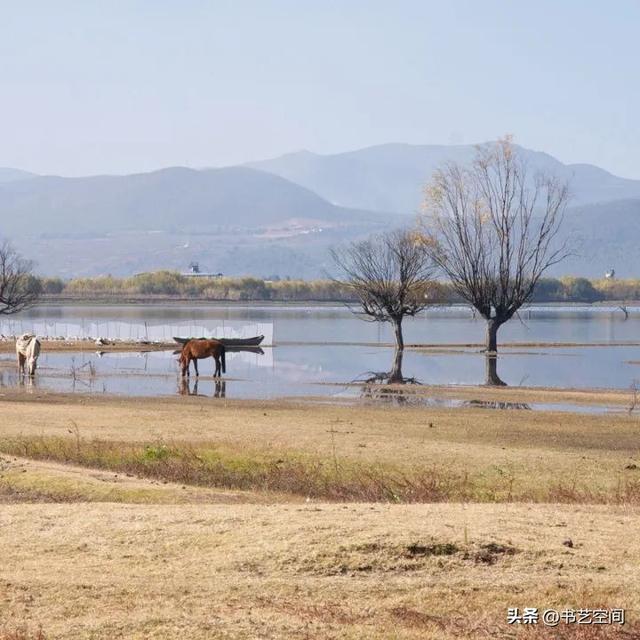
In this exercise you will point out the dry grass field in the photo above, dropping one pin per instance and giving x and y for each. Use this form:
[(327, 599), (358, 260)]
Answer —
[(196, 518)]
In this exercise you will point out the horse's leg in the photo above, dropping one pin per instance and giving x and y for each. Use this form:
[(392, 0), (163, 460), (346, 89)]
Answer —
[(21, 362), (217, 371), (195, 364)]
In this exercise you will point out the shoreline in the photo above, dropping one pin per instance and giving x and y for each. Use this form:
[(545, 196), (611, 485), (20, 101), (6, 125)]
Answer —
[(147, 300), (7, 345), (593, 397)]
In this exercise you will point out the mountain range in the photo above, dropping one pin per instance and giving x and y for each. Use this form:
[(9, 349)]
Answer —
[(175, 199), (391, 177), (279, 216)]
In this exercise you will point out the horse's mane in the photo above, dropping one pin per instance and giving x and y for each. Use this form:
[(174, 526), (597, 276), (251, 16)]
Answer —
[(25, 340)]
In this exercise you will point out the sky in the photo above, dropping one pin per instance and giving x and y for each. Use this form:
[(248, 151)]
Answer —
[(123, 86)]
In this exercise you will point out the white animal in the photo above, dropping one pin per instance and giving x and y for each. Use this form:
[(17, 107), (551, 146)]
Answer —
[(27, 352)]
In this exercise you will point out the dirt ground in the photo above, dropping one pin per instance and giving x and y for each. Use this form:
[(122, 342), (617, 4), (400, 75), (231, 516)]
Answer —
[(92, 553)]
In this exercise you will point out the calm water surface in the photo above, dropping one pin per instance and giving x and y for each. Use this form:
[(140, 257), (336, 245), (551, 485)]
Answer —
[(323, 323), (290, 368)]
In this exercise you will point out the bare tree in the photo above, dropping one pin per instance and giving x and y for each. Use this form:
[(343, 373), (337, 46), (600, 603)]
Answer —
[(19, 289), (493, 230), (390, 274)]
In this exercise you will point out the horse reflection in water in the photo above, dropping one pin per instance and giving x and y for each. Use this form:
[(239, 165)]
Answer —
[(186, 389), (10, 379)]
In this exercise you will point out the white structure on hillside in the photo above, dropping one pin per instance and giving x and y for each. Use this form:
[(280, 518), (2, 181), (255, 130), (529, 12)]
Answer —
[(194, 272)]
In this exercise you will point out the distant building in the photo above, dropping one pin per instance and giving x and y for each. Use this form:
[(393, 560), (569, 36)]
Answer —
[(194, 272)]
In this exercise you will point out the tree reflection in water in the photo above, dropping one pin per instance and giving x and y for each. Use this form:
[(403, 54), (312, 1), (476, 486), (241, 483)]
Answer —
[(380, 385), (493, 404), (385, 386), (491, 371)]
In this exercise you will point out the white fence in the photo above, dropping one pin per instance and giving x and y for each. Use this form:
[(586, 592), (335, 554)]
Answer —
[(135, 331)]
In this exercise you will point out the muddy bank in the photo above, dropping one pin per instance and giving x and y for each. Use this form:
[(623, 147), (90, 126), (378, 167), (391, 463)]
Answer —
[(8, 346)]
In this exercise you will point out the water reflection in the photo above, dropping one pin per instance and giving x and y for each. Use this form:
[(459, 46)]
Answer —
[(375, 384), (393, 376), (305, 370), (491, 371), (493, 404), (187, 388), (302, 323), (13, 379), (391, 395)]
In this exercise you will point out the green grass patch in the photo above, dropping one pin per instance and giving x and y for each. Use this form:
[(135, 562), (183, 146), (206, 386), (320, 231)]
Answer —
[(317, 477)]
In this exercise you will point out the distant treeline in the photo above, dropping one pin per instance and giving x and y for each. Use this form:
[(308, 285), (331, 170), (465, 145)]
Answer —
[(168, 284)]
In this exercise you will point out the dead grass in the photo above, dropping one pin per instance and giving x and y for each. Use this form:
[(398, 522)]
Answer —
[(159, 561), (370, 433), (21, 632), (433, 572), (336, 453)]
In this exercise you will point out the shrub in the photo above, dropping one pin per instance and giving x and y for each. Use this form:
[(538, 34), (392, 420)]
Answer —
[(580, 290)]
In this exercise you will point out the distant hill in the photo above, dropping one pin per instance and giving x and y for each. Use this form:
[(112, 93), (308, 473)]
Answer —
[(11, 175), (244, 220), (173, 199), (235, 220), (603, 236), (391, 177)]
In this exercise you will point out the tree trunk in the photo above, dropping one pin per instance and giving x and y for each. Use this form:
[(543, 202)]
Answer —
[(492, 378), (396, 373), (397, 327), (492, 335)]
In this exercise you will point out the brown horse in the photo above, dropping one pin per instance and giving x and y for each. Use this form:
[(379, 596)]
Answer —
[(197, 350)]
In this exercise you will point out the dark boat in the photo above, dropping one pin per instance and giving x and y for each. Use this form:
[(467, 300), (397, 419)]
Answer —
[(228, 342), (239, 349)]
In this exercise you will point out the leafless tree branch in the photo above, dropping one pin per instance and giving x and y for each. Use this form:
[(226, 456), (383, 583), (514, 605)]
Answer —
[(18, 287), (493, 230), (390, 275)]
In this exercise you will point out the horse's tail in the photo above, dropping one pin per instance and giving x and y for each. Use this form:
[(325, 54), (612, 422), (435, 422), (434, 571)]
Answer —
[(223, 351)]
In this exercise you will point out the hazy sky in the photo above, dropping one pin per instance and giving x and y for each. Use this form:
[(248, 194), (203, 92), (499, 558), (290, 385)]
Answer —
[(88, 86)]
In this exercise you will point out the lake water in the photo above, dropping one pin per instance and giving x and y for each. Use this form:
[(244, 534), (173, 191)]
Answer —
[(299, 364), (322, 323)]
